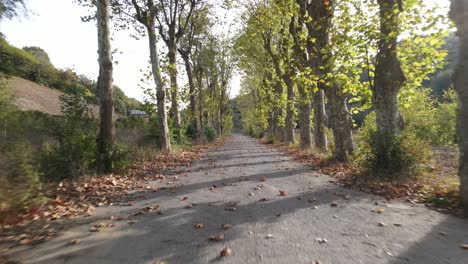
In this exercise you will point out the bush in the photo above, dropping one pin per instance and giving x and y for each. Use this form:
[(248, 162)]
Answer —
[(20, 185), (446, 120), (389, 156), (190, 131), (432, 121), (210, 134), (271, 139), (122, 158), (74, 153)]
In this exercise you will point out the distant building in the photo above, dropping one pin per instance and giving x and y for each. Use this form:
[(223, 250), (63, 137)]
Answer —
[(135, 112)]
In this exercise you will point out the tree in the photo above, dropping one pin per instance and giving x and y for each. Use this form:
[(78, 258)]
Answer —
[(317, 24), (106, 136), (389, 79), (459, 13), (300, 61), (173, 17), (196, 31), (39, 54), (142, 15), (11, 8)]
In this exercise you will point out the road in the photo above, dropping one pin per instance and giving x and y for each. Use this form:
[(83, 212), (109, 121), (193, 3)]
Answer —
[(302, 226)]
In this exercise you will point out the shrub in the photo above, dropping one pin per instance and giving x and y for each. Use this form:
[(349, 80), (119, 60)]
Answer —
[(122, 158), (209, 133), (271, 139), (74, 152), (190, 130), (429, 120), (389, 156), (20, 185), (446, 120)]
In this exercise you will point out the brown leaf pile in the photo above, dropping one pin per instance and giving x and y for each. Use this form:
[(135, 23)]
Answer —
[(436, 192), (80, 197)]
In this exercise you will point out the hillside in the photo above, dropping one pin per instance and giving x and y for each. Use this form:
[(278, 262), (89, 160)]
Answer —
[(30, 96)]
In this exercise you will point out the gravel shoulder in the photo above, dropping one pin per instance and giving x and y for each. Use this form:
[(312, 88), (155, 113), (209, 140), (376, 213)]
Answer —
[(239, 184)]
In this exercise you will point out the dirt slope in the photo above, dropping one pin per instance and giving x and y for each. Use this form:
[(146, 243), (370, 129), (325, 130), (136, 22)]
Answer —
[(30, 96)]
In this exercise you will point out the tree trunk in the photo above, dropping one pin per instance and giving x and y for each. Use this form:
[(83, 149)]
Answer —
[(289, 127), (459, 14), (305, 108), (172, 53), (320, 13), (106, 137), (164, 138), (340, 122), (320, 120), (301, 58), (389, 76), (192, 106)]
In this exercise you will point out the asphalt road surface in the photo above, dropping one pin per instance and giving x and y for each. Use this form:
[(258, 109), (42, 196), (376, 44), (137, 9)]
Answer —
[(302, 226)]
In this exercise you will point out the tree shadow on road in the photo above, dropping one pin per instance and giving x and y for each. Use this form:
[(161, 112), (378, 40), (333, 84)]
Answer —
[(172, 236)]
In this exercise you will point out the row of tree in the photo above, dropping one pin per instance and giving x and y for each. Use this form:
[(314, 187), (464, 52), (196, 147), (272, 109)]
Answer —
[(185, 28), (324, 60)]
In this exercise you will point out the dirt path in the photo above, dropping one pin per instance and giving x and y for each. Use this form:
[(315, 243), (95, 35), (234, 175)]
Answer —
[(412, 234)]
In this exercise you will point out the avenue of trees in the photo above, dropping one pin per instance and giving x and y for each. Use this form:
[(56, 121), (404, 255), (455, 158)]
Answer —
[(309, 66), (317, 66)]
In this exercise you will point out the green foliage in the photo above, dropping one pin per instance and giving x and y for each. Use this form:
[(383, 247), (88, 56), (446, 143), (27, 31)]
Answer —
[(389, 156), (429, 120), (209, 134), (122, 158), (74, 154), (33, 63), (271, 139)]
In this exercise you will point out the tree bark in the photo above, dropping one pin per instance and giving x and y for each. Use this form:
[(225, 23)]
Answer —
[(341, 123), (459, 14), (193, 103), (164, 138), (389, 76), (320, 120), (300, 61), (172, 53), (289, 126), (317, 27), (305, 109), (106, 136)]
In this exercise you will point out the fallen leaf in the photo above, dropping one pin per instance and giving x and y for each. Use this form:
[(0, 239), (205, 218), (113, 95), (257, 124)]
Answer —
[(185, 198), (117, 218), (74, 242), (263, 179), (218, 237), (321, 240), (283, 193), (226, 226), (379, 211), (226, 252)]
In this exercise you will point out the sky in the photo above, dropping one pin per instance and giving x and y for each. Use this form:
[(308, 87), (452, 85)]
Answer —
[(56, 27)]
